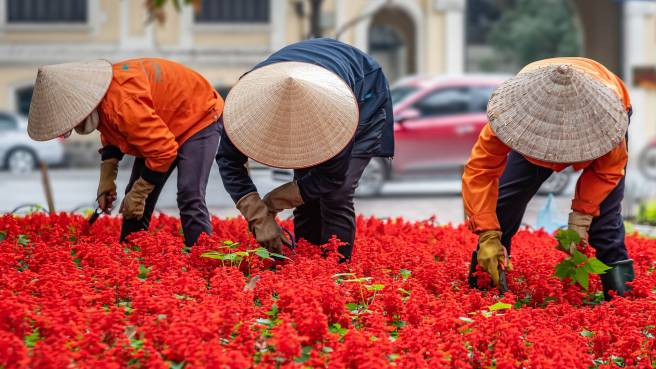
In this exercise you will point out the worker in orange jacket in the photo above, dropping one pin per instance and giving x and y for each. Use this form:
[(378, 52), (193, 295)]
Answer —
[(161, 112), (554, 114)]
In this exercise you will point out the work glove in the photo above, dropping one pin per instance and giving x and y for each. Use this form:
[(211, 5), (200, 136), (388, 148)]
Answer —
[(491, 254), (107, 185), (262, 223), (134, 202), (580, 223), (287, 196)]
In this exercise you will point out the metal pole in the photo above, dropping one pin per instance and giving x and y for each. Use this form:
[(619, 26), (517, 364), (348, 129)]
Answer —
[(47, 189)]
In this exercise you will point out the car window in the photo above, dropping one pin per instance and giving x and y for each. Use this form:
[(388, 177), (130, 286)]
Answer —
[(479, 98), (446, 101), (7, 123), (400, 93)]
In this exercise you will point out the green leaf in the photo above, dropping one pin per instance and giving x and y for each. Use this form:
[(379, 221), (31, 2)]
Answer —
[(213, 255), (23, 240), (403, 291), (279, 256), (143, 272), (405, 273), (180, 365), (565, 269), (3, 235), (352, 307), (500, 306), (586, 333), (263, 321), (358, 280), (338, 275), (466, 320), (567, 237), (305, 354), (374, 287), (581, 277), (338, 329), (578, 257), (32, 338), (596, 266), (243, 254), (262, 252)]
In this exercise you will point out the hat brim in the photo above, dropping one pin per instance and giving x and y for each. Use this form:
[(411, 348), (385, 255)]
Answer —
[(291, 115)]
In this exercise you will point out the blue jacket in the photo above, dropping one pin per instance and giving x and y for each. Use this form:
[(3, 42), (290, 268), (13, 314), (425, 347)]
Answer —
[(373, 137)]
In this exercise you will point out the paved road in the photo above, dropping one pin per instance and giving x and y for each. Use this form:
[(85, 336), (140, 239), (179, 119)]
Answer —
[(75, 188)]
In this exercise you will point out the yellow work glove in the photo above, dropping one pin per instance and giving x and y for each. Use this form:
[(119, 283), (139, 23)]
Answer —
[(491, 254), (106, 194), (287, 196), (580, 223), (134, 202), (261, 222)]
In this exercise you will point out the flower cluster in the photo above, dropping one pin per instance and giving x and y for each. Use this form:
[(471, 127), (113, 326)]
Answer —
[(71, 296)]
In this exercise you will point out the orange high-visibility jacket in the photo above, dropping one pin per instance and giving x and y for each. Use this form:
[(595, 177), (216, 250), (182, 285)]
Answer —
[(480, 181), (153, 106)]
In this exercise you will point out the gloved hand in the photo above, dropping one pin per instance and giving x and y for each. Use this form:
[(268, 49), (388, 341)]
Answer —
[(491, 254), (134, 202), (261, 222), (107, 184), (287, 196), (580, 223)]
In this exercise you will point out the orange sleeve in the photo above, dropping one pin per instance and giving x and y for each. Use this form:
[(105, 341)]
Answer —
[(480, 181), (599, 179), (146, 131)]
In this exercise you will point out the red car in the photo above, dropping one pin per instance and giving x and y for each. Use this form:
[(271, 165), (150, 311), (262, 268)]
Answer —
[(437, 122)]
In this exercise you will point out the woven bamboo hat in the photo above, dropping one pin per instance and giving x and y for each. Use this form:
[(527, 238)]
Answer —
[(557, 114), (290, 115), (64, 95)]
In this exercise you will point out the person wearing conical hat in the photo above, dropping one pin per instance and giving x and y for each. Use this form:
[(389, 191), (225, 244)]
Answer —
[(322, 108), (161, 112), (554, 114)]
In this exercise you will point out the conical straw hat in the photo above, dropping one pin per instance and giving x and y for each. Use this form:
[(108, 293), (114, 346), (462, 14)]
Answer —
[(64, 95), (290, 115), (557, 114)]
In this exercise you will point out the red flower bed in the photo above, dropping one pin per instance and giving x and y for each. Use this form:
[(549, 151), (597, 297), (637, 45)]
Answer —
[(72, 297)]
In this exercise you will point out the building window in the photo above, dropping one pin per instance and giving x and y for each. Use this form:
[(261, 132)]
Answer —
[(46, 11), (233, 11), (23, 99)]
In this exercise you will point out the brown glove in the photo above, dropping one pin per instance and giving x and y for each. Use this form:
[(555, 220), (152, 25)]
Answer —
[(491, 253), (134, 202), (107, 184), (262, 222), (580, 223), (287, 196)]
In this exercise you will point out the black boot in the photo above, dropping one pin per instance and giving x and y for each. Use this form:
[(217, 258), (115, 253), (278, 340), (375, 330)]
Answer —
[(615, 278)]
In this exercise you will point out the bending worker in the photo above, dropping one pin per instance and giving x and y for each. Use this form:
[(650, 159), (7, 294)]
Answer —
[(322, 108), (159, 111), (554, 114)]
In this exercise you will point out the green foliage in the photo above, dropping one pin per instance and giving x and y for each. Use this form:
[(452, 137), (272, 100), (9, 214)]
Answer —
[(500, 306), (32, 338), (531, 30), (647, 213), (143, 272), (578, 266), (23, 240)]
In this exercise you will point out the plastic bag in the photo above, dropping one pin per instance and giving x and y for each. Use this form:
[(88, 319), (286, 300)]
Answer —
[(548, 218)]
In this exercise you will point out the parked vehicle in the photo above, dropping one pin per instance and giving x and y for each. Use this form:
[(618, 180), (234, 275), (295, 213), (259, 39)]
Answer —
[(437, 122), (647, 160), (18, 152)]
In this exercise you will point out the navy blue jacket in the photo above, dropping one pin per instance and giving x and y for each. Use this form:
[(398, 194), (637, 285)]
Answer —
[(373, 137)]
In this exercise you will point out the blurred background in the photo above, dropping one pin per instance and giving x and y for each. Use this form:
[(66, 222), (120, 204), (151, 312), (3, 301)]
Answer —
[(443, 57)]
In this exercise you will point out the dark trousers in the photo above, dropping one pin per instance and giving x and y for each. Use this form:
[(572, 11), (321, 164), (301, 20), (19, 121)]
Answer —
[(333, 214), (194, 162), (521, 180)]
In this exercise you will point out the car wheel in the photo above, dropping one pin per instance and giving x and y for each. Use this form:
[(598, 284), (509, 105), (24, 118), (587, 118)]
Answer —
[(20, 161), (555, 184), (373, 178), (647, 162)]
